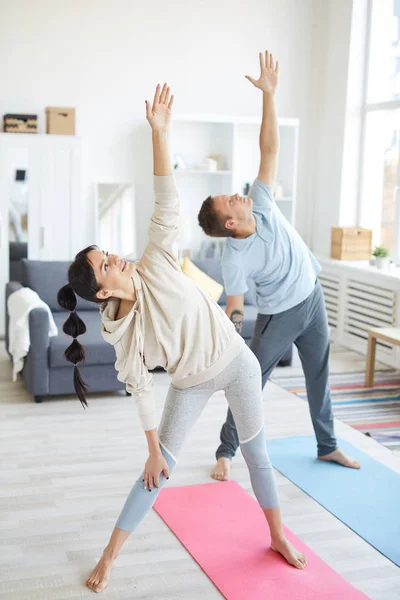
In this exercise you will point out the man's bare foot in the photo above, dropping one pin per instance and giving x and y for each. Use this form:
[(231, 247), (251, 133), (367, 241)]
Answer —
[(341, 458), (99, 577), (289, 552), (222, 469)]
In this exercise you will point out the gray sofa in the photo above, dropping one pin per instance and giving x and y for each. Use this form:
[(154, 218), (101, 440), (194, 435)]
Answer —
[(46, 372), (18, 251)]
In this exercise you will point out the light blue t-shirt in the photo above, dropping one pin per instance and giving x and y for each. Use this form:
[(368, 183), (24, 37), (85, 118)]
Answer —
[(275, 257)]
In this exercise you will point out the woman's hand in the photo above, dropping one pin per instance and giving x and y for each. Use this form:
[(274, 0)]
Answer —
[(268, 79), (155, 465), (159, 115)]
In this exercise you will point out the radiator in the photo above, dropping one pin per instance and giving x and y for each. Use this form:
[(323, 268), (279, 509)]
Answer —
[(331, 287), (357, 301), (368, 306)]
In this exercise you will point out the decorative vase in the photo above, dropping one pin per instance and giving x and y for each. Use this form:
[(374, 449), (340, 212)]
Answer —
[(382, 262)]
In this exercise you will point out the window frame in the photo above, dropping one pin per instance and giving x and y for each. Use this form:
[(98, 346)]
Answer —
[(366, 108)]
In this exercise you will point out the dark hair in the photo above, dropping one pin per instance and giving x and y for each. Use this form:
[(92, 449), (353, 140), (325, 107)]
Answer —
[(211, 222), (81, 281)]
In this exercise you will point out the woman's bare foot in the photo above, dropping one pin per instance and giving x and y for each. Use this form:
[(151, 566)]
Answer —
[(341, 458), (289, 552), (99, 577), (222, 469)]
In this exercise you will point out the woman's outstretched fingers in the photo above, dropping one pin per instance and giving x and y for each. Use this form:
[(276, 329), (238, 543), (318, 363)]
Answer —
[(251, 79), (171, 102), (163, 93), (262, 60), (156, 95), (167, 96), (148, 109)]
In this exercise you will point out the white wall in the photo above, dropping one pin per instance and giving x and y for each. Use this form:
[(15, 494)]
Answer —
[(338, 93), (105, 57), (332, 30)]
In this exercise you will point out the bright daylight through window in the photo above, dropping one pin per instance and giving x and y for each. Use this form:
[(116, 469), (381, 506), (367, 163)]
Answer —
[(380, 198)]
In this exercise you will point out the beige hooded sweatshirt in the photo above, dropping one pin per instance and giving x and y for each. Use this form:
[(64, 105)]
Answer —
[(173, 323)]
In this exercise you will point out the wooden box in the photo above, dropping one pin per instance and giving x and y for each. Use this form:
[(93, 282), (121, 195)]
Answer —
[(14, 123), (351, 243), (60, 121)]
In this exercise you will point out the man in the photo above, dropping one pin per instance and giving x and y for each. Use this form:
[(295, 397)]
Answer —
[(262, 245)]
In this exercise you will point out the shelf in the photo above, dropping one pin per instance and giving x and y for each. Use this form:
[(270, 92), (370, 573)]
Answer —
[(196, 137), (201, 172), (231, 120)]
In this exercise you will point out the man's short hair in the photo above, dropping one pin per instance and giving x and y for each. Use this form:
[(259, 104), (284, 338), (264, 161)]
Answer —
[(211, 222)]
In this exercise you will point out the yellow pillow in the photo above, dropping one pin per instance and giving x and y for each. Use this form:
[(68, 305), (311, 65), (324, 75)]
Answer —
[(204, 281)]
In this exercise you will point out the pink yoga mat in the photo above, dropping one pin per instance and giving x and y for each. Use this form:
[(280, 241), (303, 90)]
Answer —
[(225, 531)]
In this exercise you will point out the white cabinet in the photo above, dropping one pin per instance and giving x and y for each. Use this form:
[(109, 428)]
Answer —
[(38, 211), (236, 140), (58, 198)]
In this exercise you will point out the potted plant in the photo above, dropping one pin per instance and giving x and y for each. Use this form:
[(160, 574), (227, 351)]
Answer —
[(381, 257)]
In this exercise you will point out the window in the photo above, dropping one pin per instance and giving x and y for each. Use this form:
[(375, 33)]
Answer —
[(380, 179)]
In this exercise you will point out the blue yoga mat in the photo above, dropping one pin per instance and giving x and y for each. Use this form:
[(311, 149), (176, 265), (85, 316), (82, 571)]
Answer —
[(366, 500)]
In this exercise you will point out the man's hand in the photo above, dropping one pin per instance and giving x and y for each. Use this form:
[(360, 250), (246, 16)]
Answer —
[(268, 79), (159, 115), (155, 465), (237, 320)]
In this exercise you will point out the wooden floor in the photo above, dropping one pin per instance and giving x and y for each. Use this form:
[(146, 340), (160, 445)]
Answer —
[(65, 475)]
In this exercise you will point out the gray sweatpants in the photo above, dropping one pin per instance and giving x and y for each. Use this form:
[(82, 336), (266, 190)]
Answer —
[(306, 326), (241, 381)]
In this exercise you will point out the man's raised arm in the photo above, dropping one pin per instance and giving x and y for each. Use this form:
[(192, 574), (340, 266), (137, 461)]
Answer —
[(269, 133)]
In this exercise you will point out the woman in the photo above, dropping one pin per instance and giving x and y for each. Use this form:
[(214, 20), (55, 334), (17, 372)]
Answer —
[(154, 315)]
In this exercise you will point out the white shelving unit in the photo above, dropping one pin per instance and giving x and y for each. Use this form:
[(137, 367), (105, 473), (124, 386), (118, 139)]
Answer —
[(201, 172), (236, 139)]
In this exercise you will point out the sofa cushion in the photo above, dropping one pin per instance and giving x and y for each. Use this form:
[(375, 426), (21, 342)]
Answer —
[(98, 352), (205, 282), (46, 278), (213, 268), (249, 319)]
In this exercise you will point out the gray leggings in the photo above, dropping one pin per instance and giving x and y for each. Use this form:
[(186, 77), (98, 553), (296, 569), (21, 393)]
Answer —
[(241, 381)]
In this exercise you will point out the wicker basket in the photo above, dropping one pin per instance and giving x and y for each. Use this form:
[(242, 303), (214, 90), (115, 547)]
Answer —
[(14, 123)]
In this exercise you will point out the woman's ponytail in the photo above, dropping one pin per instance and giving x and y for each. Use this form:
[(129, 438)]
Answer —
[(74, 326)]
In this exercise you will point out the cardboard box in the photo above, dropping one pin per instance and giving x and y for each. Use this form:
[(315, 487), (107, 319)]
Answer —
[(60, 121), (351, 243), (14, 123)]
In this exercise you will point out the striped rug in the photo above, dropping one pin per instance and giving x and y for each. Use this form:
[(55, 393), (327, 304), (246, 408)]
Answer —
[(374, 411)]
